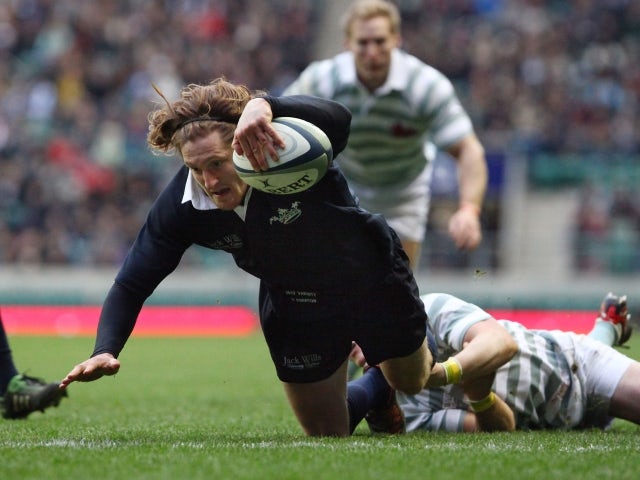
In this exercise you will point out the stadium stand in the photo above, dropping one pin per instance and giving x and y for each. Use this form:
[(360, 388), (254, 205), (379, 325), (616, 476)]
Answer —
[(553, 82)]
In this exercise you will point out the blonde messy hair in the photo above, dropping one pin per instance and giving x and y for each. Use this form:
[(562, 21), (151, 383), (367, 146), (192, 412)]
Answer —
[(199, 110)]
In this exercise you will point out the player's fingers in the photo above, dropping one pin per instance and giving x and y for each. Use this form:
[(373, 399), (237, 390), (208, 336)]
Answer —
[(269, 148), (91, 370), (272, 136), (267, 143), (99, 367), (469, 240), (72, 376), (237, 146), (458, 235), (259, 156), (252, 149), (465, 233)]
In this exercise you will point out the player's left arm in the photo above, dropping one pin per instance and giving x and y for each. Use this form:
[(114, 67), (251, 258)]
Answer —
[(487, 346), (489, 412), (464, 225)]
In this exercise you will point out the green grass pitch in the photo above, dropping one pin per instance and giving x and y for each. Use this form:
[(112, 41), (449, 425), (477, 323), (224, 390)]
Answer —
[(212, 408)]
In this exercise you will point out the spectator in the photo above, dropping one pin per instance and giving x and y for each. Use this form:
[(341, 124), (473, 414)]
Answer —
[(535, 77)]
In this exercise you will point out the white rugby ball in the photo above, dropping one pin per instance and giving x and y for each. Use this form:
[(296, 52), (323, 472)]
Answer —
[(302, 162)]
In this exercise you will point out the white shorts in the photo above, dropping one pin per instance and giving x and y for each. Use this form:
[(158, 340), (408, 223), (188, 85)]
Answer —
[(405, 207), (599, 369)]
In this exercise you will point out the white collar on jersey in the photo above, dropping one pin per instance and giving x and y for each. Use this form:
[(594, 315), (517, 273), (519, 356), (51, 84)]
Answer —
[(193, 193)]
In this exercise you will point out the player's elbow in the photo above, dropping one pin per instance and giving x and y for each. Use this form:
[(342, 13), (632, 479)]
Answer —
[(509, 347), (504, 347)]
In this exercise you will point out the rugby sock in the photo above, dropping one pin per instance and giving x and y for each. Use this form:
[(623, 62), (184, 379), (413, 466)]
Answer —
[(7, 367), (371, 390), (604, 331)]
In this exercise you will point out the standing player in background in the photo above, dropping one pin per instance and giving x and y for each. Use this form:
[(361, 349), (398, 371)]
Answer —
[(20, 394), (403, 111)]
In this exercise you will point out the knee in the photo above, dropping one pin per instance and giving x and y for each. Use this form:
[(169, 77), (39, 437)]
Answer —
[(409, 388), (408, 384), (409, 374)]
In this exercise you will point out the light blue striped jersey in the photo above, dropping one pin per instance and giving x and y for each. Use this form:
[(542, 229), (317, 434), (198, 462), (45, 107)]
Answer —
[(537, 383), (391, 128)]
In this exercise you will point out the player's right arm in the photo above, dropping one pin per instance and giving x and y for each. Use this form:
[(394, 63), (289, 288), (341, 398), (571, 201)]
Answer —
[(153, 256)]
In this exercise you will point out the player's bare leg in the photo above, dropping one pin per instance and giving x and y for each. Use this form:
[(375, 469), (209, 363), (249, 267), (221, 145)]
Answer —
[(624, 403), (321, 407), (409, 374)]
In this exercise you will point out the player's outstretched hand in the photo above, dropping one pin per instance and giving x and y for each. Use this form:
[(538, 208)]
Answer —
[(92, 369)]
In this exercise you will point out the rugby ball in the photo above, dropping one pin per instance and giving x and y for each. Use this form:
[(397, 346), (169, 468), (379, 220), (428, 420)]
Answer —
[(302, 162)]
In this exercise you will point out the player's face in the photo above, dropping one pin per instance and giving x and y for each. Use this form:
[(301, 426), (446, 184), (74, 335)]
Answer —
[(372, 42), (210, 160)]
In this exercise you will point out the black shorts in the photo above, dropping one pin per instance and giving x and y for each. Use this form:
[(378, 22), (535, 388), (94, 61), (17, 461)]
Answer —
[(310, 334)]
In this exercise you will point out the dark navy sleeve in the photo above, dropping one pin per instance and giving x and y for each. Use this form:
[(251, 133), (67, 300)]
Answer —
[(155, 254), (117, 319), (331, 117)]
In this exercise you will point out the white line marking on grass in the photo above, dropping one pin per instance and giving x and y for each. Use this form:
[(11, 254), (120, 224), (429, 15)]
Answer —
[(359, 447), (191, 445), (319, 444), (504, 447), (64, 443)]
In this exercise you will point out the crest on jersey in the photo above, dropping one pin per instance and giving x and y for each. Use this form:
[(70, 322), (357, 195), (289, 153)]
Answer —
[(287, 215)]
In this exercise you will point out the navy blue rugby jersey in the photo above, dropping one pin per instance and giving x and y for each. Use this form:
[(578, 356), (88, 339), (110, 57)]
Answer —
[(316, 240)]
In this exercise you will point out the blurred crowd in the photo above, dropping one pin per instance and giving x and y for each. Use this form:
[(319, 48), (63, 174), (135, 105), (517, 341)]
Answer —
[(538, 75), (607, 236), (76, 177)]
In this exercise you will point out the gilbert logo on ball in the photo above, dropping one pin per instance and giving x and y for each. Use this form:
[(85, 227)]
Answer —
[(302, 163)]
